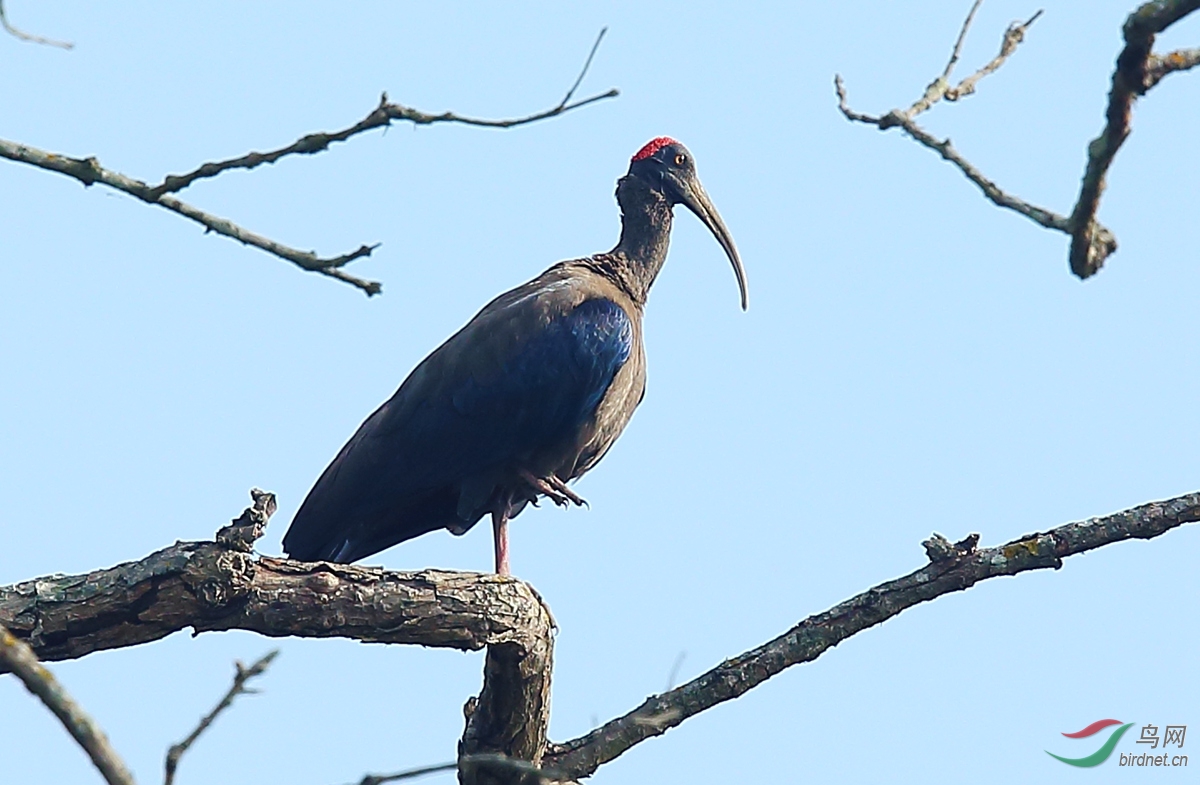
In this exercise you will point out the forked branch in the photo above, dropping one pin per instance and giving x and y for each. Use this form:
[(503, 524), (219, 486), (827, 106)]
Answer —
[(213, 586), (89, 171), (1138, 70), (380, 117), (242, 676), (952, 568)]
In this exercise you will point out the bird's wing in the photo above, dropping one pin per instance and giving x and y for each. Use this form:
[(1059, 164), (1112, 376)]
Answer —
[(525, 373)]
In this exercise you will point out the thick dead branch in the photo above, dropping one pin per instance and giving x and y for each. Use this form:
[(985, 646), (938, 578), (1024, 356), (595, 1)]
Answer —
[(506, 722), (33, 39), (1138, 70), (18, 658), (207, 586), (1091, 243), (957, 567), (240, 679), (89, 172)]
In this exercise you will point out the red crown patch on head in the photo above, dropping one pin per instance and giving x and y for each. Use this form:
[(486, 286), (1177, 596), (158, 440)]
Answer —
[(652, 147)]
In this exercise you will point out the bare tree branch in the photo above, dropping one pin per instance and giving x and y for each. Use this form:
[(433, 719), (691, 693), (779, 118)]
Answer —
[(524, 770), (1138, 70), (1013, 36), (89, 172), (958, 42), (208, 586), (1158, 66), (941, 88), (238, 687), (407, 774), (1092, 244), (35, 39), (380, 117), (943, 147), (18, 658), (954, 568)]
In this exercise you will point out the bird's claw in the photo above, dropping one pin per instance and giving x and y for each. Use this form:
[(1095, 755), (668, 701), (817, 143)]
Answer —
[(553, 489)]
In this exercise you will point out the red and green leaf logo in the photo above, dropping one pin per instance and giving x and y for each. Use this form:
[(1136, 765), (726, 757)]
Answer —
[(1100, 755)]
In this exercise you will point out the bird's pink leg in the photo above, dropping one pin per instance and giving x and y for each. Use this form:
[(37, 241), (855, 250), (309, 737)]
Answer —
[(500, 539)]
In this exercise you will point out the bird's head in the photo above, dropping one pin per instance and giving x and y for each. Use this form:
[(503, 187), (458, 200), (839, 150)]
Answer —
[(667, 167)]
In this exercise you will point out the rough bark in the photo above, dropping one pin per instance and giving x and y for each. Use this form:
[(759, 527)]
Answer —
[(206, 586), (219, 586), (952, 568)]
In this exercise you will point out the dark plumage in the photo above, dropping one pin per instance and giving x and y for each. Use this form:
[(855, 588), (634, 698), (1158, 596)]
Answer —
[(528, 396)]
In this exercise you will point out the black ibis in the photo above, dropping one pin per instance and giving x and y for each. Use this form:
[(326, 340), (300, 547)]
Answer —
[(525, 398)]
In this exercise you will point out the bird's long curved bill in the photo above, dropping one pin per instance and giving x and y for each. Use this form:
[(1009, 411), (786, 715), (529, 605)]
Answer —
[(696, 199)]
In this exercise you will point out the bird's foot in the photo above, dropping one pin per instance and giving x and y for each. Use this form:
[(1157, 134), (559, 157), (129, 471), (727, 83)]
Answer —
[(553, 489)]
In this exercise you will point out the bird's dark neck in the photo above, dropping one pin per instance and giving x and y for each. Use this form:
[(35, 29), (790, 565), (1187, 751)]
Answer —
[(645, 235)]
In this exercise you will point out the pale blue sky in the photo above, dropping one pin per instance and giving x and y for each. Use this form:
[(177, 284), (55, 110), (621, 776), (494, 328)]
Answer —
[(913, 360)]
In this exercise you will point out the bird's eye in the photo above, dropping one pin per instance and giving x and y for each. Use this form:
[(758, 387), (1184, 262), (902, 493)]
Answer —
[(680, 159)]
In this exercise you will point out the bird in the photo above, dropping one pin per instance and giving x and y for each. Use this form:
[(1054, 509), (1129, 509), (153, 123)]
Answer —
[(525, 398)]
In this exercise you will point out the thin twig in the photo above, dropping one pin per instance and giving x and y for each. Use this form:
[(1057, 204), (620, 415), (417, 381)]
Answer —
[(238, 687), (962, 36), (34, 39), (408, 774), (952, 568), (940, 88), (937, 89), (1013, 37), (583, 72), (20, 660), (943, 147), (379, 117), (89, 171), (1158, 66), (999, 197), (465, 763), (839, 87)]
